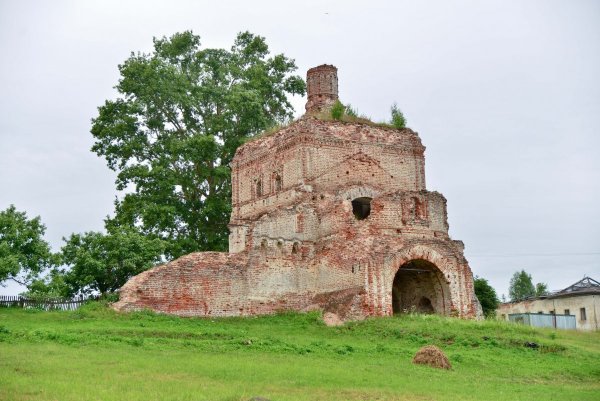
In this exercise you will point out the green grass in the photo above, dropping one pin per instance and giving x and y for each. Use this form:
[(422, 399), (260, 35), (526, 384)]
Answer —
[(97, 354)]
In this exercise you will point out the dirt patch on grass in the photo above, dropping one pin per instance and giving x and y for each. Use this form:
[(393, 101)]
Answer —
[(331, 319)]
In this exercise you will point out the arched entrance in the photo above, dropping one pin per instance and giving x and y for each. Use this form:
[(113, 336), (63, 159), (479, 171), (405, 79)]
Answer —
[(419, 287)]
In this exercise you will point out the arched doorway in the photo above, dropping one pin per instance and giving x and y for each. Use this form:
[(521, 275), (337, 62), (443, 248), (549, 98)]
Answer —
[(419, 287)]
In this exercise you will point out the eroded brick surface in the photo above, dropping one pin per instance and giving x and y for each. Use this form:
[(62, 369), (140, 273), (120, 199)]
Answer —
[(326, 215)]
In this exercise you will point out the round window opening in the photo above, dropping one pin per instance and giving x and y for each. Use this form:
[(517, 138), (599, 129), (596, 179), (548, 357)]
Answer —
[(361, 207)]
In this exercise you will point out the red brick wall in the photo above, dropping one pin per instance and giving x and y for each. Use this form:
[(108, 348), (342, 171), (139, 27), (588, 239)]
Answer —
[(301, 247)]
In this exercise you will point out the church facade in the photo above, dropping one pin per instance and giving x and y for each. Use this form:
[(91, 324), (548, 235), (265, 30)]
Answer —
[(326, 214)]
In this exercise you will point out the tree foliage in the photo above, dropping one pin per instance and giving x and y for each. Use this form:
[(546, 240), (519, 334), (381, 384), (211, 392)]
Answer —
[(521, 287), (181, 114), (104, 262), (337, 110), (486, 295), (398, 119), (23, 251), (53, 285), (541, 289)]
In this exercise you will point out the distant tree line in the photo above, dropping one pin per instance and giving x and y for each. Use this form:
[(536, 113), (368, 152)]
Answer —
[(87, 263)]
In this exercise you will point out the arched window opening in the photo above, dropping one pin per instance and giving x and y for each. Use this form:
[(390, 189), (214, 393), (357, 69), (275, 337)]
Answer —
[(361, 208)]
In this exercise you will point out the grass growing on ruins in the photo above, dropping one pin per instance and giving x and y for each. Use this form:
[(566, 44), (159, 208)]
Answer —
[(97, 354)]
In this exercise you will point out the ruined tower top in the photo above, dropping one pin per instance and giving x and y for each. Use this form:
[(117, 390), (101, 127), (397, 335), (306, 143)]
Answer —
[(322, 87)]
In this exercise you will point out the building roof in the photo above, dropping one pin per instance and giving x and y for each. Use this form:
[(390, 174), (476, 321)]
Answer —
[(585, 285)]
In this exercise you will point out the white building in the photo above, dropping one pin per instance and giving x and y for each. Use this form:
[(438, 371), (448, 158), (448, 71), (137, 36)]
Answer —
[(581, 299)]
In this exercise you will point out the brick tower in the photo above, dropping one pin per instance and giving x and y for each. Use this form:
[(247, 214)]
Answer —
[(322, 87)]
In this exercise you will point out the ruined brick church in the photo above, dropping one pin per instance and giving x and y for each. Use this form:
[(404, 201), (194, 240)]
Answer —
[(330, 215)]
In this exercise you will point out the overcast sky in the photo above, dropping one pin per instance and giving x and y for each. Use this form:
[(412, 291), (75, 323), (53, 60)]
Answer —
[(504, 94)]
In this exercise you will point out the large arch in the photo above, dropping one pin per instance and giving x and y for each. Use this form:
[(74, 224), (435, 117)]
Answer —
[(419, 287), (419, 280)]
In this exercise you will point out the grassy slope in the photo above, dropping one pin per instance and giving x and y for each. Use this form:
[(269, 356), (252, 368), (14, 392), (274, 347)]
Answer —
[(96, 354)]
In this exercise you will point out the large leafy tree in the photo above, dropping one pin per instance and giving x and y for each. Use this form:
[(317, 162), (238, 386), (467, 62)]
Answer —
[(104, 262), (24, 254), (486, 295), (181, 114)]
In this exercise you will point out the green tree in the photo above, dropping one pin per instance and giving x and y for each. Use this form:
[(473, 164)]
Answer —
[(171, 134), (104, 262), (24, 254), (398, 119), (541, 289), (521, 286), (53, 285), (486, 295)]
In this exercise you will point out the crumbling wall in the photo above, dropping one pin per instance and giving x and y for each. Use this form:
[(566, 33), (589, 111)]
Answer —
[(324, 215)]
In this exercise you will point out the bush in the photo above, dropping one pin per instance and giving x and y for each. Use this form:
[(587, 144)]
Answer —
[(398, 119), (337, 110)]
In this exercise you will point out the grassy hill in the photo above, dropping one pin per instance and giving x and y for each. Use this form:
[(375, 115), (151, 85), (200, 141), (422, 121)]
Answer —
[(97, 354)]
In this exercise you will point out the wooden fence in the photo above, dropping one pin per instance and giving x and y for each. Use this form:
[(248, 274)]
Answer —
[(17, 301)]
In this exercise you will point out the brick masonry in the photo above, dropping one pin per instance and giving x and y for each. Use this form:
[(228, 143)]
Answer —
[(326, 215)]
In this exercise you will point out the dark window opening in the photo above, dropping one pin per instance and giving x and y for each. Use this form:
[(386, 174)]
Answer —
[(295, 248), (567, 312), (277, 182), (361, 207), (582, 314), (259, 188)]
